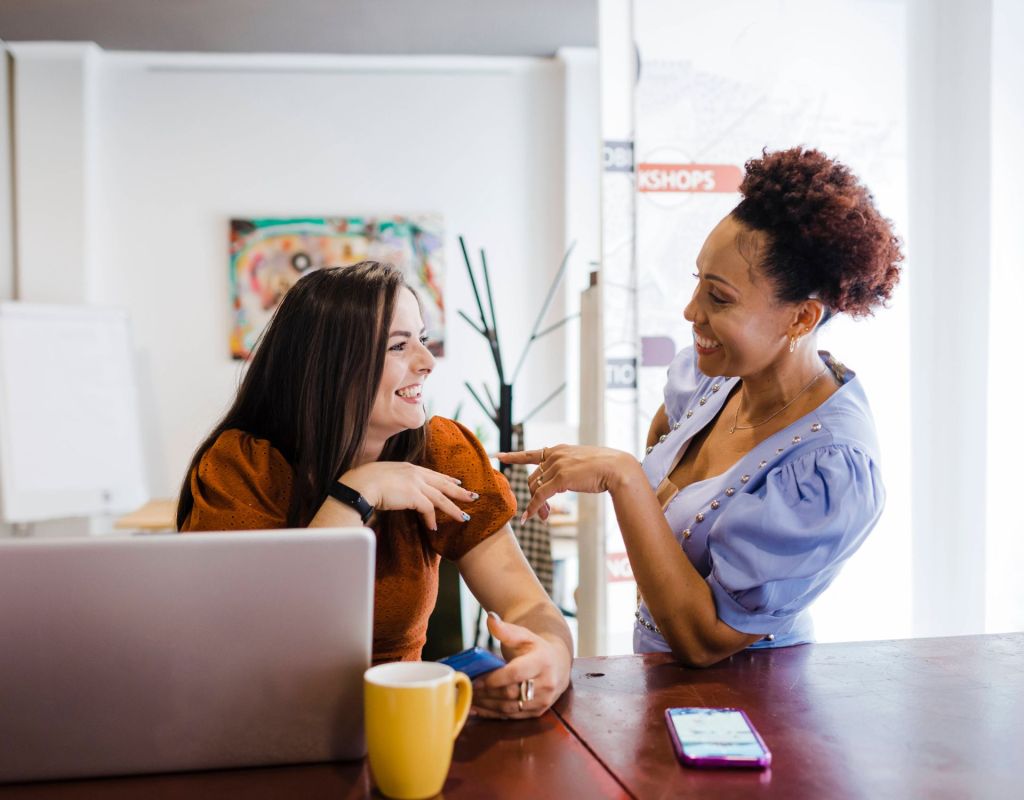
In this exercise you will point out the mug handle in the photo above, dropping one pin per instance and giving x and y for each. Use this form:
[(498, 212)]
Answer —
[(463, 699)]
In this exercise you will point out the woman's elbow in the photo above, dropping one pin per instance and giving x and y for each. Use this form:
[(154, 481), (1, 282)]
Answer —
[(701, 654), (691, 652), (696, 658)]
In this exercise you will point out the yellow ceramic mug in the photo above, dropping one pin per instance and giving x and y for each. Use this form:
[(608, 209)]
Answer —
[(414, 711)]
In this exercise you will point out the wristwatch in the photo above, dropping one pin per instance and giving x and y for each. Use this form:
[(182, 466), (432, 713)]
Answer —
[(350, 497)]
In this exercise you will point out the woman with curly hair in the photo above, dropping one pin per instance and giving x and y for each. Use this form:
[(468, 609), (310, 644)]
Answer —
[(761, 474)]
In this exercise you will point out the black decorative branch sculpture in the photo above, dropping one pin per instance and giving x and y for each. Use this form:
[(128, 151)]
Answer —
[(500, 412)]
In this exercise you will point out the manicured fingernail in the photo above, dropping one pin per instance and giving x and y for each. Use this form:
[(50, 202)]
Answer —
[(474, 496), (466, 517), (522, 519), (494, 615), (458, 481)]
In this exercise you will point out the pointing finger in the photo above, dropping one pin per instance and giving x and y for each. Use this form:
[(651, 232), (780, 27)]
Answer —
[(524, 457)]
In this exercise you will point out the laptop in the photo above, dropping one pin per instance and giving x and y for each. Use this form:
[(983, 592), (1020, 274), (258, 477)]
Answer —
[(157, 653)]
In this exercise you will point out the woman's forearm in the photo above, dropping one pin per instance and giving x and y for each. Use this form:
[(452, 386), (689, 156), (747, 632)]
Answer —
[(545, 620), (678, 597)]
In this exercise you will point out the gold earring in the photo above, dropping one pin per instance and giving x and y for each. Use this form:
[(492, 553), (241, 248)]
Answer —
[(792, 344)]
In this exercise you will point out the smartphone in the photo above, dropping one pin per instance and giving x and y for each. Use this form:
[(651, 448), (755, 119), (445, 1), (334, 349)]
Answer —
[(716, 737), (474, 662)]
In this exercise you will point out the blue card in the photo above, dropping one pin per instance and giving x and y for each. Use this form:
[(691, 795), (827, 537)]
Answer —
[(474, 662)]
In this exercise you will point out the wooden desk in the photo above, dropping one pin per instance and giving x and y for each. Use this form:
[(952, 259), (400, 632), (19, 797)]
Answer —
[(934, 718), (920, 718), (523, 759)]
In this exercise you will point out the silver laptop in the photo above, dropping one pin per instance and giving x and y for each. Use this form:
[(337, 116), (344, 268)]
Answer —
[(158, 653)]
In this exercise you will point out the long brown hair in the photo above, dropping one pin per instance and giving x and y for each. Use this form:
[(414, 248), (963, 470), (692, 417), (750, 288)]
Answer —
[(311, 383)]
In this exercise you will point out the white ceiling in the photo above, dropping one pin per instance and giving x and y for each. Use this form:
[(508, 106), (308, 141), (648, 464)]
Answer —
[(457, 27)]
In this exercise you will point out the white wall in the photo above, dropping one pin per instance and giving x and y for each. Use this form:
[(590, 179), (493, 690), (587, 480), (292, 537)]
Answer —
[(184, 142)]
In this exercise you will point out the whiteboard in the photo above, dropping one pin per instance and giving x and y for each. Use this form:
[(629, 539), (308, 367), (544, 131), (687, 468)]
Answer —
[(70, 441)]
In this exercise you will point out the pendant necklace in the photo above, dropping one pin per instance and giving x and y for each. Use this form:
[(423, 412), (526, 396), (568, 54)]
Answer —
[(736, 416)]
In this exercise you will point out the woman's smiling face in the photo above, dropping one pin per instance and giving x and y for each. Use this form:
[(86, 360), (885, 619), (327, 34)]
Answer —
[(739, 327), (398, 405)]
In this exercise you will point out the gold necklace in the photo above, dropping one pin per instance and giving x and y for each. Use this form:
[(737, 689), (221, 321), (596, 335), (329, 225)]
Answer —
[(736, 416)]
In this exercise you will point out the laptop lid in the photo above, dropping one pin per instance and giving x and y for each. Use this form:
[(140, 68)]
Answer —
[(158, 653)]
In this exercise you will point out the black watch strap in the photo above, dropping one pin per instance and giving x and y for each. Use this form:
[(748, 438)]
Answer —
[(350, 497)]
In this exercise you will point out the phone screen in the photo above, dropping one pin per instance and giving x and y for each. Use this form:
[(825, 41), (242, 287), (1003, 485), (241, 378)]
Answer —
[(717, 733)]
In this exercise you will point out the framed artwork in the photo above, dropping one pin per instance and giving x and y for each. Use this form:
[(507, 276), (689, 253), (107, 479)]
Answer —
[(269, 255)]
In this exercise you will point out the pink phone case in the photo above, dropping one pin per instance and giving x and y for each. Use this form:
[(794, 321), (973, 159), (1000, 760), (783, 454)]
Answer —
[(761, 762)]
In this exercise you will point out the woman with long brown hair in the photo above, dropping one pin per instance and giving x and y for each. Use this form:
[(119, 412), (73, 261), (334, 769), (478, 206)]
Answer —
[(328, 430)]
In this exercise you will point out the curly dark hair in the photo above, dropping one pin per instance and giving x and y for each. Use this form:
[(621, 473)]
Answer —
[(824, 236)]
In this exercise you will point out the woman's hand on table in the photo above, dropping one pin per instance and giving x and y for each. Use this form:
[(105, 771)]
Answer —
[(570, 468), (500, 694), (399, 485)]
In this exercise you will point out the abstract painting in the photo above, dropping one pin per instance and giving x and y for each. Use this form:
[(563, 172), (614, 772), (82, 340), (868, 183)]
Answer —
[(269, 255)]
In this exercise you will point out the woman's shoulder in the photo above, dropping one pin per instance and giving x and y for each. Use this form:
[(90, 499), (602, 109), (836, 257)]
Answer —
[(237, 447), (242, 482), (845, 418), (829, 465), (453, 450), (450, 442)]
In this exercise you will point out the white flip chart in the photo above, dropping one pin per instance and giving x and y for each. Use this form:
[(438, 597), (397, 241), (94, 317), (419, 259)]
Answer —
[(70, 442)]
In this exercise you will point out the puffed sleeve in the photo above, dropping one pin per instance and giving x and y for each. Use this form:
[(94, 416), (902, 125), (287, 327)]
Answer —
[(241, 483), (683, 380), (775, 550), (453, 450)]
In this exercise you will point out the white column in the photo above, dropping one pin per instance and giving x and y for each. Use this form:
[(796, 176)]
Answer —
[(54, 87), (1005, 540), (582, 198), (591, 597), (6, 187), (617, 291), (948, 258)]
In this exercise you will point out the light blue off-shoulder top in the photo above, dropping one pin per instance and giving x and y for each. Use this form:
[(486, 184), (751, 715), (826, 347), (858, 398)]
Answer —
[(770, 533)]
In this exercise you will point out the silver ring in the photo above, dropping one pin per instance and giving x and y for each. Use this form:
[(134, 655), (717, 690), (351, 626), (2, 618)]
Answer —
[(520, 705)]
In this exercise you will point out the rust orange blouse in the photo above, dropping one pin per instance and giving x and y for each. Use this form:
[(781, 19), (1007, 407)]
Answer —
[(244, 483)]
